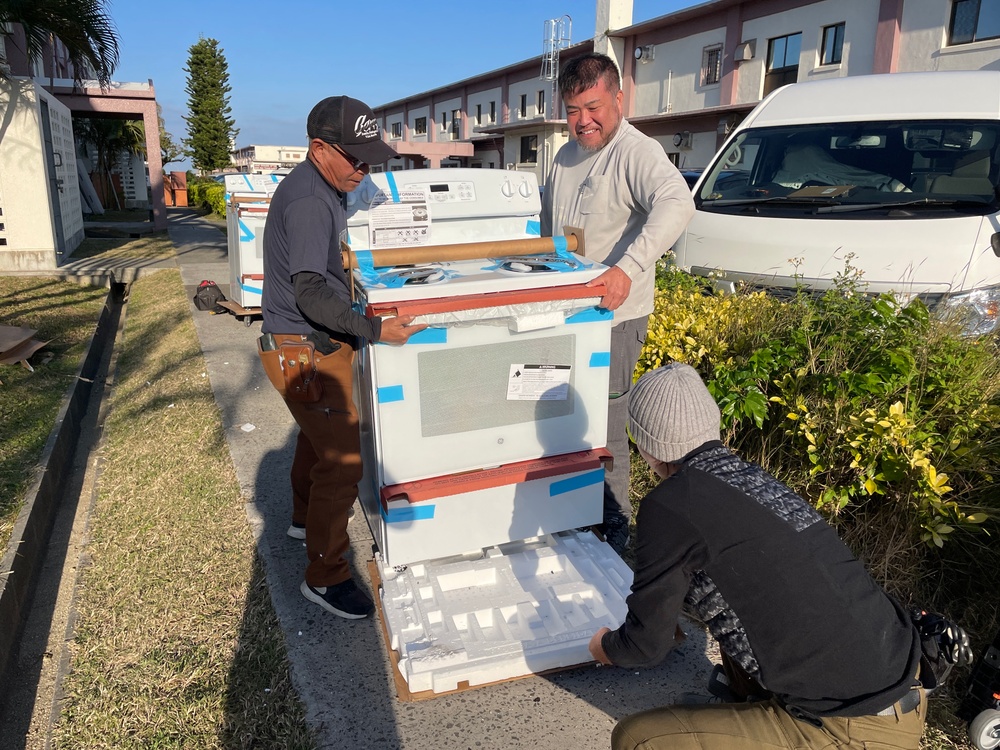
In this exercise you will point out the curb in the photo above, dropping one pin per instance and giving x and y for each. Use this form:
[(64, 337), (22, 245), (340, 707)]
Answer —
[(21, 563)]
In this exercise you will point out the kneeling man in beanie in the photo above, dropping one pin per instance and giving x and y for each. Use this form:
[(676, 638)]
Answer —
[(814, 653), (306, 305)]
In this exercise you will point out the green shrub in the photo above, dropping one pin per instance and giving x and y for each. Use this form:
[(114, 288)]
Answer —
[(204, 193), (857, 402)]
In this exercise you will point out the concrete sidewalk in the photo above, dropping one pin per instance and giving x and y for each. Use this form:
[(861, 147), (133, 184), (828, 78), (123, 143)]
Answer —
[(341, 668)]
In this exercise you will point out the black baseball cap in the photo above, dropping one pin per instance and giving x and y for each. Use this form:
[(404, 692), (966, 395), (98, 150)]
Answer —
[(350, 124)]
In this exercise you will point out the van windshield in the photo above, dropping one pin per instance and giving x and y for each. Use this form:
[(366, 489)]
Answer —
[(857, 169)]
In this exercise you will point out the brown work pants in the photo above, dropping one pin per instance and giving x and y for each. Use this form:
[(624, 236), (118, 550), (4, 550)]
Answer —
[(326, 468), (764, 725)]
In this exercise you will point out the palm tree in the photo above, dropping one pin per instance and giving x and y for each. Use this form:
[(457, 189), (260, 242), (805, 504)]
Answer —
[(108, 140), (83, 26)]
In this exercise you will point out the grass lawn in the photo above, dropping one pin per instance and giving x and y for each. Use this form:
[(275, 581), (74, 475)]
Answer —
[(177, 644), (156, 246), (64, 314)]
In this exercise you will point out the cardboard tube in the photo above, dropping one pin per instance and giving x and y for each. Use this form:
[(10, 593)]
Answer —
[(403, 256)]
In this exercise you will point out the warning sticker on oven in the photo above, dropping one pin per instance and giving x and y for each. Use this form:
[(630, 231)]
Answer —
[(400, 223), (538, 382)]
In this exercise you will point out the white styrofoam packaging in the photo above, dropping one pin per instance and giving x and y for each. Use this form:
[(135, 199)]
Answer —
[(455, 514), (504, 612)]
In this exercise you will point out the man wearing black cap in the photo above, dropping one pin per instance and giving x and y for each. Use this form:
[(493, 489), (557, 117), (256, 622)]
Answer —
[(306, 305), (824, 656)]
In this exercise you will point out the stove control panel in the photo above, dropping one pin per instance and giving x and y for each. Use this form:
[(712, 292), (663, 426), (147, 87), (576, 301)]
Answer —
[(450, 192), (454, 193)]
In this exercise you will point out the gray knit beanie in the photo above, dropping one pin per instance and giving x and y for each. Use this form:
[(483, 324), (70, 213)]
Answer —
[(671, 412)]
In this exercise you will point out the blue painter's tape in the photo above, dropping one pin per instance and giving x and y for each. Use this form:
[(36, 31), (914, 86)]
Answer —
[(364, 259), (578, 482), (429, 336), (591, 315), (253, 289), (392, 186), (389, 393), (533, 227), (413, 513), (559, 243), (274, 178), (245, 234), (247, 181), (600, 359)]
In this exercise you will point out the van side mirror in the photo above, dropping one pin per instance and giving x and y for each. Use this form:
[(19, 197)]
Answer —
[(995, 242)]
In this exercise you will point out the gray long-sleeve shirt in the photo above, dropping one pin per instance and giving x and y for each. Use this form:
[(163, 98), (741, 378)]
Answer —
[(631, 203)]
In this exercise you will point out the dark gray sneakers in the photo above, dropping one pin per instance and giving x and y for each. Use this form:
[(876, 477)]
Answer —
[(344, 600)]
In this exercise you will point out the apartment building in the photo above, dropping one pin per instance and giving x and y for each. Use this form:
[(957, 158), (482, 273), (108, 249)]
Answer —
[(257, 159), (690, 76)]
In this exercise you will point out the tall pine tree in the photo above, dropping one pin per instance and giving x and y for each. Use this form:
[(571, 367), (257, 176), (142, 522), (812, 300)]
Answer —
[(210, 129)]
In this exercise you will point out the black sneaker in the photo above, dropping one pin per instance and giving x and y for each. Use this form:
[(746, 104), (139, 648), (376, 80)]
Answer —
[(344, 600)]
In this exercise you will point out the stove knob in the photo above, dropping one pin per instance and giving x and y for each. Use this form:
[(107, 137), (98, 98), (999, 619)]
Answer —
[(507, 189), (524, 190)]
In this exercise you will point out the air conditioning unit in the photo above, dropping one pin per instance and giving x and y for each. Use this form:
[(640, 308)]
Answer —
[(745, 51), (683, 139)]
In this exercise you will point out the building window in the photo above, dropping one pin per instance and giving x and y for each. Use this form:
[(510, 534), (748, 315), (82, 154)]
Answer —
[(529, 149), (833, 45), (397, 130), (420, 126), (456, 124), (974, 20), (522, 109), (711, 65), (782, 61), (444, 121), (541, 103), (493, 113)]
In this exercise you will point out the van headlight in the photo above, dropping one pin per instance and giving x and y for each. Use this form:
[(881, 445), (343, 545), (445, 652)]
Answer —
[(978, 311)]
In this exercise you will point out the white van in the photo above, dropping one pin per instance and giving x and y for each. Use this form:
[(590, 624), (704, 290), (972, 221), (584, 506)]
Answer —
[(894, 175)]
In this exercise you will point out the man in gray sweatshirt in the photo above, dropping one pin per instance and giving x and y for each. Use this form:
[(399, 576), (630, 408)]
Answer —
[(618, 185)]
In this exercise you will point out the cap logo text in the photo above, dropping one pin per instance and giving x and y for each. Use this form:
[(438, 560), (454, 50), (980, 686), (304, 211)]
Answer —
[(366, 127)]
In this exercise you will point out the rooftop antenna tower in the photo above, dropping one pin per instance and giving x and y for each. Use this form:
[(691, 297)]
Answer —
[(556, 37)]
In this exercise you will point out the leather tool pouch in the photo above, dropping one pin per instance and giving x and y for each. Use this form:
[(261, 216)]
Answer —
[(291, 368), (298, 369)]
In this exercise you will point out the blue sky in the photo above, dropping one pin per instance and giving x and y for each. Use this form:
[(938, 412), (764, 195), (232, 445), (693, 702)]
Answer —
[(285, 56)]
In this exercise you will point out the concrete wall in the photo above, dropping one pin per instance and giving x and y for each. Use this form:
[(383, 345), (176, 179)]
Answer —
[(924, 41), (28, 241), (671, 81)]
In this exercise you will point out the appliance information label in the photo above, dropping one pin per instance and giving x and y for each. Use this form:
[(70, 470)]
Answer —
[(538, 382), (402, 224)]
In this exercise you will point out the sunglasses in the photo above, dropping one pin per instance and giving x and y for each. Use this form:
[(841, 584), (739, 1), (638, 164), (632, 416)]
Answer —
[(356, 164)]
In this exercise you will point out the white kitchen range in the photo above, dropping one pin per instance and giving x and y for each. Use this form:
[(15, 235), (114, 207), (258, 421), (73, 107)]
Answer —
[(484, 435), (247, 199)]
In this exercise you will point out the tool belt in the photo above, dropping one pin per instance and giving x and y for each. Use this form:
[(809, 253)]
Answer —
[(290, 363)]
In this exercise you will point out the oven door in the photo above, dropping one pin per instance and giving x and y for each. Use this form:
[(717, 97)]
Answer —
[(462, 398)]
